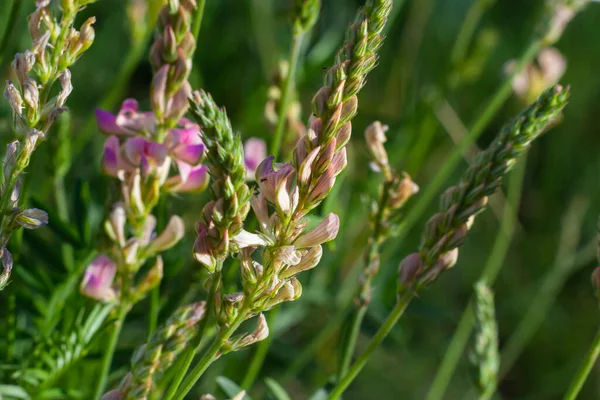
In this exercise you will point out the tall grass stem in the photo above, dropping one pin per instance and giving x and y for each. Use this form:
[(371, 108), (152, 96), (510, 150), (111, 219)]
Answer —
[(585, 369)]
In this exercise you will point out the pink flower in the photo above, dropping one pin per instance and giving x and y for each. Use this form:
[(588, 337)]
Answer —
[(255, 150), (196, 181), (98, 279), (276, 184), (128, 121), (145, 153), (324, 232), (186, 147), (113, 163)]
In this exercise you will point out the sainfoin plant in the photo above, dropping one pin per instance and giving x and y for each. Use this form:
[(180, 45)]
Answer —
[(181, 249)]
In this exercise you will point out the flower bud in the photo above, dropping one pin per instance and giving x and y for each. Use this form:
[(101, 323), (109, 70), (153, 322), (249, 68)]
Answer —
[(31, 95), (32, 218), (98, 279), (169, 237), (324, 232), (7, 266), (10, 159), (309, 260), (22, 65), (14, 98), (408, 270), (158, 91), (67, 87), (403, 191)]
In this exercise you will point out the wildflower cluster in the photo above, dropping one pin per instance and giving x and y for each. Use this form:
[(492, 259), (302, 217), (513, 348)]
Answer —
[(140, 153), (56, 46)]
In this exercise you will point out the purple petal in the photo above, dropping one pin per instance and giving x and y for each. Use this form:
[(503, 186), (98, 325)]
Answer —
[(107, 123), (138, 147), (110, 159), (191, 154)]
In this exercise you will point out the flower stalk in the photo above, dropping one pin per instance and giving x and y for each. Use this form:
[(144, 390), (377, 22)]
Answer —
[(56, 46)]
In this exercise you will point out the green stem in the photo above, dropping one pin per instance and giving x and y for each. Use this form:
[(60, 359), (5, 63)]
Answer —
[(190, 352), (288, 87), (352, 337), (467, 30), (461, 336), (403, 301), (446, 170), (259, 356), (584, 370), (154, 309), (198, 15), (13, 10), (208, 357), (110, 350)]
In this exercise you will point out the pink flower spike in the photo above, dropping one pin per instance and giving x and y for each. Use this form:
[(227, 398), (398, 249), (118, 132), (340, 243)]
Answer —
[(196, 181), (111, 160), (98, 279), (255, 150)]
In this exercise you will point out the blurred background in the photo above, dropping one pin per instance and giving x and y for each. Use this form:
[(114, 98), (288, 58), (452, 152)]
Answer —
[(422, 95)]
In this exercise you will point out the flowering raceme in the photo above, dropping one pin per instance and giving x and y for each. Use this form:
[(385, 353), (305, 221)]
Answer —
[(134, 144)]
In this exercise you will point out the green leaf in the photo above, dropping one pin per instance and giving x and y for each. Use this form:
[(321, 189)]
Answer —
[(13, 392), (277, 390), (230, 388)]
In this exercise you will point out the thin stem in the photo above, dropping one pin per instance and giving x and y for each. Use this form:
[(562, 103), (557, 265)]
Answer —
[(13, 10), (198, 15), (403, 302), (288, 87), (584, 370), (154, 309), (467, 30), (352, 337), (110, 350), (446, 170), (371, 257), (259, 355), (461, 336), (190, 352), (208, 357)]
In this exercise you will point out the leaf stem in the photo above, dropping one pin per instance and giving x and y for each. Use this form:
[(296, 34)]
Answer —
[(403, 301), (286, 93), (585, 369)]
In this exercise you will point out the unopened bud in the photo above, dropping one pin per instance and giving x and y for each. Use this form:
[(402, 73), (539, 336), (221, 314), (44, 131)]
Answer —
[(31, 94), (169, 237), (14, 98), (152, 278), (408, 271), (22, 65), (67, 87), (32, 218), (10, 158), (403, 191), (158, 91)]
